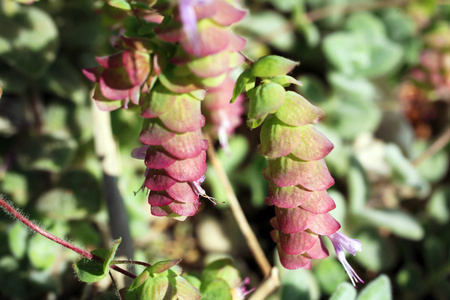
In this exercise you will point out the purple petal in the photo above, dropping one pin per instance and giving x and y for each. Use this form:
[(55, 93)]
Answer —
[(189, 21), (340, 242), (139, 153)]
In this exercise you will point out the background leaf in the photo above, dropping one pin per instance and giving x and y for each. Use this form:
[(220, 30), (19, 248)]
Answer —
[(379, 289), (28, 40)]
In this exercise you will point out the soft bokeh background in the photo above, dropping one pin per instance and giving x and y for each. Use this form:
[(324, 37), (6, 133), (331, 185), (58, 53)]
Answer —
[(379, 69)]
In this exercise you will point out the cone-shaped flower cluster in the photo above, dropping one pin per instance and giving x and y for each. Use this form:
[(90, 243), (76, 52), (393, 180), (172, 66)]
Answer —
[(176, 154), (217, 53), (298, 179), (298, 176), (167, 73)]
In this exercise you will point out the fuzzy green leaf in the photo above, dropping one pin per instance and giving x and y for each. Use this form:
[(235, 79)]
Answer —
[(438, 206), (357, 186), (95, 270), (76, 196), (344, 291), (284, 80), (42, 252), (139, 280), (17, 239), (241, 83), (330, 274), (378, 252), (111, 254), (216, 289), (91, 270), (183, 289), (222, 269), (397, 221), (50, 152), (272, 65), (379, 289), (122, 4)]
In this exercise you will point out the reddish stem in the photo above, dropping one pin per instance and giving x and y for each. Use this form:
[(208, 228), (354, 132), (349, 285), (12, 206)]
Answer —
[(9, 208), (41, 231), (130, 262), (124, 272)]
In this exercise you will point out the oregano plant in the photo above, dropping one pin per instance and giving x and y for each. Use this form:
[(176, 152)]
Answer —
[(189, 74)]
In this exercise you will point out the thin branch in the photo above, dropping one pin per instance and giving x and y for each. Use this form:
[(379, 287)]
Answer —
[(440, 143), (124, 272), (267, 287), (238, 214)]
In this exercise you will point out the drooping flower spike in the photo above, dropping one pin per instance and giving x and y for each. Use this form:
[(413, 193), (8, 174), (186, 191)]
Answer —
[(340, 242), (176, 155), (297, 173)]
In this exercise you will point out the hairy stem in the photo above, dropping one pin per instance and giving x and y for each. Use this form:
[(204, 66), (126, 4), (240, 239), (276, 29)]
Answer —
[(124, 272), (12, 211), (238, 214)]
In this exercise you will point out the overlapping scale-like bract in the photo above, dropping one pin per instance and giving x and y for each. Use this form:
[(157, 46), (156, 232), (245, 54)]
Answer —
[(176, 154), (168, 73), (211, 58), (298, 179), (297, 174)]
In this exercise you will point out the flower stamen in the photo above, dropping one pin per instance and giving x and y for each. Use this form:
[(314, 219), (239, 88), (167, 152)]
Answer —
[(340, 242)]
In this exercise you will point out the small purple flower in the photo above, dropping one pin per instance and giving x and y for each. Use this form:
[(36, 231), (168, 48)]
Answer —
[(189, 20), (241, 291), (340, 242)]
